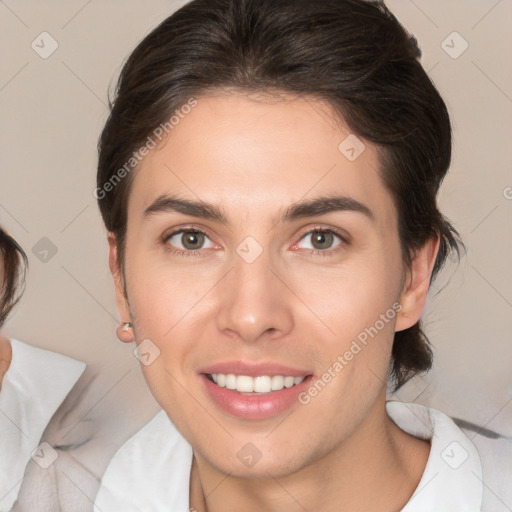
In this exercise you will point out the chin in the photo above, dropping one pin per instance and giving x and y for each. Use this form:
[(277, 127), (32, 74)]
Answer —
[(261, 460)]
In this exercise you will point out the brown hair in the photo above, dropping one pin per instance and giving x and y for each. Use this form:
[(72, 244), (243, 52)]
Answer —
[(13, 266), (352, 53)]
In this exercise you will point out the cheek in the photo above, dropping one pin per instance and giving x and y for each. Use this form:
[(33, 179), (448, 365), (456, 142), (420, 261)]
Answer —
[(163, 297), (353, 297), (164, 304), (358, 306), (172, 308), (159, 305)]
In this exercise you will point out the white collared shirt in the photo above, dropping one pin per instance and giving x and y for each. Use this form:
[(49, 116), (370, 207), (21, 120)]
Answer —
[(33, 387), (151, 471)]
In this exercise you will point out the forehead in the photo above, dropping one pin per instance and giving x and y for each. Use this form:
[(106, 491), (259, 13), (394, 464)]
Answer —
[(260, 153)]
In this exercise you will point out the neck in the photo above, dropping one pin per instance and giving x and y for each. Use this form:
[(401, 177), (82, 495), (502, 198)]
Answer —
[(377, 467)]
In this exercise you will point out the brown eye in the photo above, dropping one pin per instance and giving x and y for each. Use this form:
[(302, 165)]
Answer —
[(189, 240), (192, 240), (320, 240)]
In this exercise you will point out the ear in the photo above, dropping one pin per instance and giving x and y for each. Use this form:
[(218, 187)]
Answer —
[(416, 285), (125, 335)]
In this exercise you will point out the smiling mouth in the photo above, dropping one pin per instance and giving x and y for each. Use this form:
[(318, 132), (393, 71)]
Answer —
[(260, 385)]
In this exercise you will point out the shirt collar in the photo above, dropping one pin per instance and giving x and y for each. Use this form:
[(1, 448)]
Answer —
[(33, 387), (452, 479)]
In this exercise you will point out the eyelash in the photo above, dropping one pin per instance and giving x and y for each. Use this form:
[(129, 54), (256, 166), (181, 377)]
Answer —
[(180, 252), (344, 241), (199, 252)]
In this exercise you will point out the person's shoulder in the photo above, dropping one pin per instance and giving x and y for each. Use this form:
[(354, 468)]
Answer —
[(157, 443), (36, 376), (495, 446), (36, 383), (495, 452), (39, 375), (150, 471), (469, 467), (44, 362)]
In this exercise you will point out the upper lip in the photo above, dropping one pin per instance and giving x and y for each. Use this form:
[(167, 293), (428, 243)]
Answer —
[(254, 369)]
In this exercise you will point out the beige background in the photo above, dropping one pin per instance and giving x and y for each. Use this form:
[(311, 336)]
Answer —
[(53, 109)]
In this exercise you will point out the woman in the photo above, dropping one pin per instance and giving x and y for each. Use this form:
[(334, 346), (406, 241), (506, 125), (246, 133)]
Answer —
[(33, 383), (268, 178)]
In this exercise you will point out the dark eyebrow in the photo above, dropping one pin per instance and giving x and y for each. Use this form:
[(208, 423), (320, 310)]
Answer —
[(168, 204), (313, 208), (324, 205)]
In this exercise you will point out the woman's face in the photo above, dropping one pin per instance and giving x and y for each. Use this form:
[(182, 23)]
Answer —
[(261, 250)]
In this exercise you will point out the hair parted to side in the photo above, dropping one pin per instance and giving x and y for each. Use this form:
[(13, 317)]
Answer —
[(354, 54), (13, 264)]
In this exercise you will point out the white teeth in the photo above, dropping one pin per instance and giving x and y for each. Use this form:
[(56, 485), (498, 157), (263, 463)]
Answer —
[(230, 381), (288, 382), (277, 382), (260, 384), (244, 384)]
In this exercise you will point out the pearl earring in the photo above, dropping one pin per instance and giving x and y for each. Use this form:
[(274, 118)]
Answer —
[(126, 326)]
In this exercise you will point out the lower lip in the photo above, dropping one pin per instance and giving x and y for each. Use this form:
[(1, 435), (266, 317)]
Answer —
[(257, 407)]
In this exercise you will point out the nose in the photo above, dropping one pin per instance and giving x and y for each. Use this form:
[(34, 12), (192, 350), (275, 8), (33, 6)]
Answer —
[(254, 302)]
